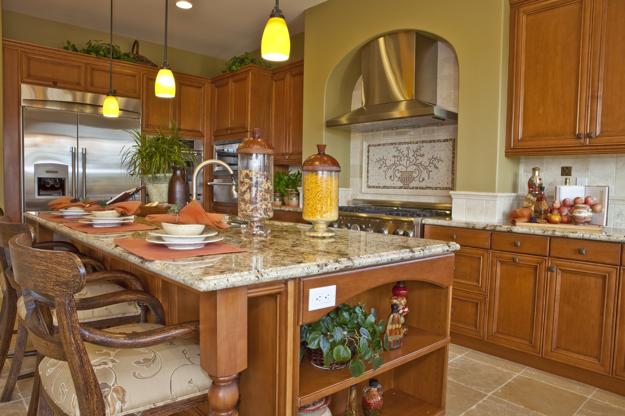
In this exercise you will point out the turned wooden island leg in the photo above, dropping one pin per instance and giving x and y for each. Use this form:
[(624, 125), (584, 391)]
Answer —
[(223, 346)]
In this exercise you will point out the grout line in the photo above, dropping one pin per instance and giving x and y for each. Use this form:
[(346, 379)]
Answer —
[(524, 374), (581, 405), (488, 394), (593, 397), (495, 366)]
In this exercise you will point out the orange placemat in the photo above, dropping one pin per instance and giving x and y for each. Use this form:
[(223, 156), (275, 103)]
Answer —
[(57, 218), (148, 251), (129, 228)]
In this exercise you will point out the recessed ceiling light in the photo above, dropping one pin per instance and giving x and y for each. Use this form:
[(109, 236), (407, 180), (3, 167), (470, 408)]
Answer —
[(184, 4)]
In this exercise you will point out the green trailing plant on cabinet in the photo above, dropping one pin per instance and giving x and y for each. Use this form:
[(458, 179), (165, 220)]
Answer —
[(239, 61), (349, 335), (101, 49)]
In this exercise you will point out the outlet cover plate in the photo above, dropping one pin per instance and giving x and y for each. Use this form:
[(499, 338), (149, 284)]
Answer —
[(321, 297)]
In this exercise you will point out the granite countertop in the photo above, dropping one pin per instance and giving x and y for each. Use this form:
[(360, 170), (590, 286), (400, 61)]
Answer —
[(287, 253), (615, 235)]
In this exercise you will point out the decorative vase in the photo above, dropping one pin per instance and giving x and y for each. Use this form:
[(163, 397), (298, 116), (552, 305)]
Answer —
[(292, 198), (372, 401), (157, 186), (178, 191)]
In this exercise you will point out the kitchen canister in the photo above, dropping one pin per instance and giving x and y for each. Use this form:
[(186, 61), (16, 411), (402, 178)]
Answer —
[(321, 192)]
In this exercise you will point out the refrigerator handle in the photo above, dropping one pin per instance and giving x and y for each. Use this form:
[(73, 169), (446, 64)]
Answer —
[(73, 156), (84, 172)]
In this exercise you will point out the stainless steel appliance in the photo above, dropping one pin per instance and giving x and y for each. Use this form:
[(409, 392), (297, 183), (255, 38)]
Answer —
[(196, 156), (389, 217), (223, 191), (69, 149)]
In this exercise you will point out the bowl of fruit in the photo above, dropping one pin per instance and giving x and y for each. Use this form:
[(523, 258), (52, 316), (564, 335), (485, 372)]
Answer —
[(578, 210)]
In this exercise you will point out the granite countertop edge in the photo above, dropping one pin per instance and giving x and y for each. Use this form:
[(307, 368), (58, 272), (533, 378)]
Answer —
[(613, 235)]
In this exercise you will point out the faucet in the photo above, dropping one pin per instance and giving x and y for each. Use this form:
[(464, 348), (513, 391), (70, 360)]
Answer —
[(202, 165)]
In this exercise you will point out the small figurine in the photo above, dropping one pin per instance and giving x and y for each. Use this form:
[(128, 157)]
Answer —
[(400, 291), (395, 329), (372, 400), (352, 402)]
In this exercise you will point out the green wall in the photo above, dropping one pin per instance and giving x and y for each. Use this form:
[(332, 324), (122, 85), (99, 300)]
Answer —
[(336, 29), (54, 34)]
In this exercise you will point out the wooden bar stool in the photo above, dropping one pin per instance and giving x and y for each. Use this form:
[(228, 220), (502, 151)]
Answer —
[(100, 282), (144, 368)]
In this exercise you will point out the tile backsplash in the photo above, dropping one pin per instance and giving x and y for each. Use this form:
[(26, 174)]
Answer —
[(608, 170)]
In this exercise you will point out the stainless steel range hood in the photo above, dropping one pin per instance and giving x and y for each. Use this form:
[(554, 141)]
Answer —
[(400, 78)]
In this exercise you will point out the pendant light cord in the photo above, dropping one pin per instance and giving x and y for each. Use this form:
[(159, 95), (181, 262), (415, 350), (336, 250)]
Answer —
[(276, 12), (111, 52), (165, 64)]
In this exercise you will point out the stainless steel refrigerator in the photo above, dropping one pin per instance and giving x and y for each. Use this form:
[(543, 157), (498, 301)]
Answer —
[(69, 149)]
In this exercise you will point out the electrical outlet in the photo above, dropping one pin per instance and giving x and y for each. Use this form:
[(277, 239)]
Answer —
[(321, 297)]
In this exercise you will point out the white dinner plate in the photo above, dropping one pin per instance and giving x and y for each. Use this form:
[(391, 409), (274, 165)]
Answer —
[(71, 214), (183, 238), (182, 245), (94, 218), (112, 222)]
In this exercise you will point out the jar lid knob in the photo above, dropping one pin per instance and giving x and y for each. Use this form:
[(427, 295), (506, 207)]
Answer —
[(257, 133), (321, 149)]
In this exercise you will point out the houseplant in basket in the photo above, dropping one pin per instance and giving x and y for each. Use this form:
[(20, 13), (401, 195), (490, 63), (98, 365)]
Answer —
[(153, 157), (346, 337)]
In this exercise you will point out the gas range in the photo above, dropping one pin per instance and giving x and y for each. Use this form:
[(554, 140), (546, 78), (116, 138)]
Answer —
[(389, 217)]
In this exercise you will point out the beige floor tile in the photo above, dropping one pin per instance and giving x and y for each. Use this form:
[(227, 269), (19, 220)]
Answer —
[(565, 383), (25, 387), (16, 408), (478, 376), (461, 398), (597, 408), (541, 397), (452, 355), (457, 349), (493, 406), (496, 361), (610, 398)]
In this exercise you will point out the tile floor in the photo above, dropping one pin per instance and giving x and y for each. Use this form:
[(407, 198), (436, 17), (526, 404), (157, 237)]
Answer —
[(479, 385)]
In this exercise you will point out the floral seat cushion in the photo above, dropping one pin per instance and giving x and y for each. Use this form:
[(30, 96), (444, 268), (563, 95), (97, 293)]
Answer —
[(119, 310), (132, 380)]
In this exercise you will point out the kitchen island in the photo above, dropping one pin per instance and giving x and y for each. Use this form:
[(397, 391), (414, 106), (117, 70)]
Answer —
[(251, 306)]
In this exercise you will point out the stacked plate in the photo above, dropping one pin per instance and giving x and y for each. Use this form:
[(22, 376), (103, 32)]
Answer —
[(107, 219), (183, 236), (72, 212)]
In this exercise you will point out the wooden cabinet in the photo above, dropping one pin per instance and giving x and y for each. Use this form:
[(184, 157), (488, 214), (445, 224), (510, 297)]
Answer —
[(619, 351), (566, 83), (158, 113), (52, 70), (468, 311), (517, 298), (241, 101), (287, 113), (192, 101), (463, 236), (126, 82), (581, 299), (471, 272)]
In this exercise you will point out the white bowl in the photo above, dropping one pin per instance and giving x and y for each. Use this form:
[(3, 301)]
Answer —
[(110, 213), (183, 229)]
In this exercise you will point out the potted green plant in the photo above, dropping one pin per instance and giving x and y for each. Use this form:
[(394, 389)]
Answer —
[(153, 157), (286, 184), (346, 337)]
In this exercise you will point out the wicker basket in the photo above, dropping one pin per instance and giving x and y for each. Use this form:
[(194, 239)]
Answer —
[(316, 359)]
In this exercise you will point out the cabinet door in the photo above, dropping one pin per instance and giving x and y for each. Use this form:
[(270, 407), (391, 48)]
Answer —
[(607, 123), (45, 69), (580, 314), (548, 71), (158, 113), (467, 313), (619, 353), (239, 102), (221, 106), (191, 106), (471, 270), (517, 299), (126, 82), (279, 115), (295, 113)]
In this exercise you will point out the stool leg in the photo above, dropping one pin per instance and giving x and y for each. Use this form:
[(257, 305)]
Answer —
[(7, 320), (33, 406), (16, 363)]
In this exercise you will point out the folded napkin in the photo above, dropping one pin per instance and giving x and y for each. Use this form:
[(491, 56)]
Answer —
[(192, 213), (126, 207), (67, 202), (140, 247)]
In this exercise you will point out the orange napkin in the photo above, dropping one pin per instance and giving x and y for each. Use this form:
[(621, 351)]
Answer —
[(126, 207), (192, 213), (67, 201), (127, 228), (140, 247)]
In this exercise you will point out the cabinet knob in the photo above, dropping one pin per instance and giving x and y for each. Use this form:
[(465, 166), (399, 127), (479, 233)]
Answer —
[(454, 236), (579, 136), (551, 269), (581, 251), (591, 135), (516, 260), (517, 244)]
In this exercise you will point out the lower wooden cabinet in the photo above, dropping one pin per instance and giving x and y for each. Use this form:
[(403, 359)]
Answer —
[(471, 271), (516, 301), (619, 351), (468, 310), (580, 319)]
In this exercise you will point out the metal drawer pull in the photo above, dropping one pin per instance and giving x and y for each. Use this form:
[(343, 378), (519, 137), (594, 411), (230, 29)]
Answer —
[(515, 260), (552, 269), (454, 236), (517, 244), (581, 251)]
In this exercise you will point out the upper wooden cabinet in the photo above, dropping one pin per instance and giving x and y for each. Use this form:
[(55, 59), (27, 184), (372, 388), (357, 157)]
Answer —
[(566, 81), (48, 68), (241, 101), (126, 82), (287, 104), (157, 113)]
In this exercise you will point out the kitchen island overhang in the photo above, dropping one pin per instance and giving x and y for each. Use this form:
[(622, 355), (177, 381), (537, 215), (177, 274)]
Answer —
[(251, 306)]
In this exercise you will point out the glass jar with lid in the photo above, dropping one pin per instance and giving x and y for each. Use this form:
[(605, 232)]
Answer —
[(321, 191), (255, 183)]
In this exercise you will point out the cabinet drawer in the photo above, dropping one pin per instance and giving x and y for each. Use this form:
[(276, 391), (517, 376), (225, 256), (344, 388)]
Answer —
[(587, 251), (47, 70), (471, 272), (462, 236), (467, 313), (518, 243)]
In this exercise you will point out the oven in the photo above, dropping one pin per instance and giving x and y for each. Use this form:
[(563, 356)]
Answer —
[(225, 151)]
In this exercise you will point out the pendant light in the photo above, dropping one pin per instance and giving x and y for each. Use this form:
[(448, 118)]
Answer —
[(165, 85), (110, 106), (276, 42)]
